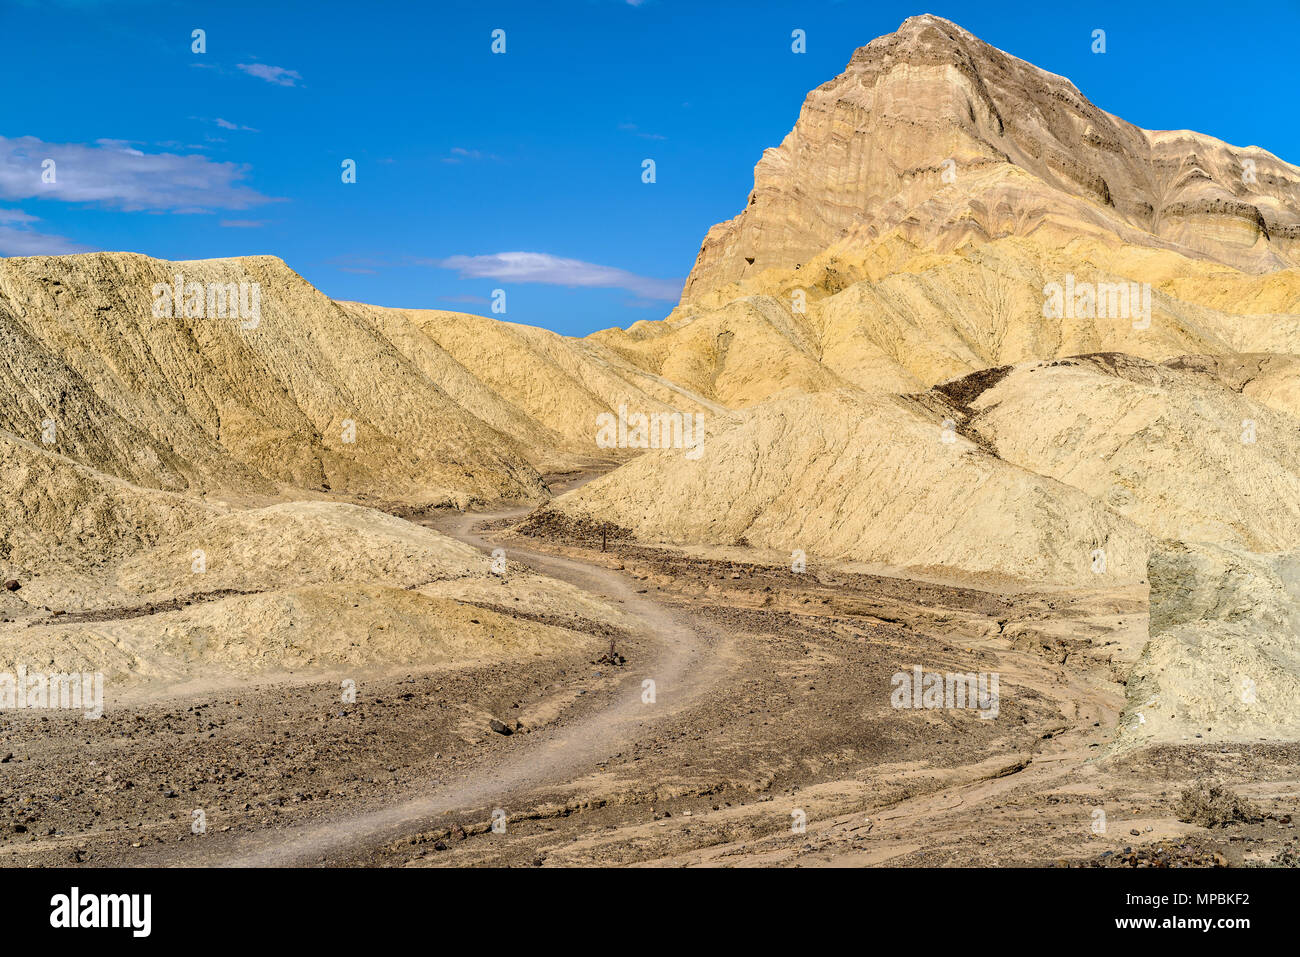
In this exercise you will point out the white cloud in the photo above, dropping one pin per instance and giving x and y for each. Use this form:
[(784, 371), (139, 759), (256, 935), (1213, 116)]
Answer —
[(633, 128), (18, 238), (271, 74), (113, 174), (555, 271), (459, 154)]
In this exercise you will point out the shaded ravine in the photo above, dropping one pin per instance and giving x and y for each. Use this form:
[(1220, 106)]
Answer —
[(683, 666)]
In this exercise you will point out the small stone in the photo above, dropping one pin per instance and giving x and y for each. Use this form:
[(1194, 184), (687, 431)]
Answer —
[(500, 727)]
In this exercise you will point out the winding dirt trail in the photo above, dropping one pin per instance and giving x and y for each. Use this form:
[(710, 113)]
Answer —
[(684, 665), (959, 810)]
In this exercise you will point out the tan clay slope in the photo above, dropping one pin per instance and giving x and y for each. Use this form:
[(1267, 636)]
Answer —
[(897, 317), (62, 518), (740, 353), (1270, 380), (869, 478), (544, 389), (212, 403), (1175, 451), (935, 133), (314, 585), (321, 628), (1066, 454), (939, 316), (295, 543)]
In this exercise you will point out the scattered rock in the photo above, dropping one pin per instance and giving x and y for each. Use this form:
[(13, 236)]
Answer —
[(1209, 805), (611, 657)]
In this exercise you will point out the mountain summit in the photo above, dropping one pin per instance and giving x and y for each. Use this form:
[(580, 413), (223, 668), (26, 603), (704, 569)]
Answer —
[(934, 133)]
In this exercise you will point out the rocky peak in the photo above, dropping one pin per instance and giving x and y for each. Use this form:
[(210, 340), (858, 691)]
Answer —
[(934, 133)]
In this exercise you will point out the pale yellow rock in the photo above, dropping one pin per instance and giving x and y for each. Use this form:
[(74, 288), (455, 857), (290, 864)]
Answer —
[(317, 628), (1223, 662), (302, 585), (296, 543), (896, 317), (307, 394), (554, 384), (1270, 380), (1178, 453), (740, 353), (62, 518)]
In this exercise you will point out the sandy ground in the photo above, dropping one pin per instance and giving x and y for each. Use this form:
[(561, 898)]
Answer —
[(770, 740)]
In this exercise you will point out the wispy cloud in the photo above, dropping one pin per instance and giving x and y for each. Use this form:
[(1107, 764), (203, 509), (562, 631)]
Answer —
[(115, 174), (633, 128), (271, 74), (243, 223), (459, 154), (358, 265), (225, 124), (19, 238), (555, 271)]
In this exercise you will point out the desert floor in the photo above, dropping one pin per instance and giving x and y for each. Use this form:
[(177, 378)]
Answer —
[(771, 705)]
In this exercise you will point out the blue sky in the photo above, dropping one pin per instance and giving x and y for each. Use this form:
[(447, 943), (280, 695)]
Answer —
[(463, 155)]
